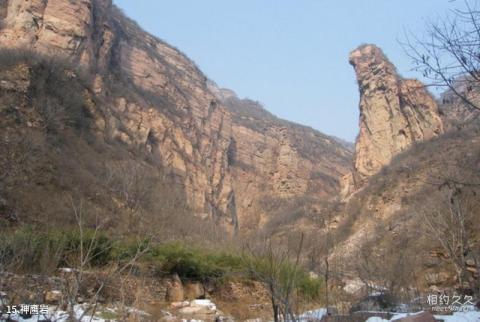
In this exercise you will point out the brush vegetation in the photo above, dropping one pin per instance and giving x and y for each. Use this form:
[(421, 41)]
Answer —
[(28, 250)]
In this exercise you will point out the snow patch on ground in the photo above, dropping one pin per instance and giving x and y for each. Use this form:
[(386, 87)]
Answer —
[(80, 311), (468, 316), (206, 303), (54, 315), (312, 315), (376, 319)]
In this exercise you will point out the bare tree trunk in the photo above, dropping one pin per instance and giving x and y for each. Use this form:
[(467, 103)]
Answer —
[(327, 276), (279, 276)]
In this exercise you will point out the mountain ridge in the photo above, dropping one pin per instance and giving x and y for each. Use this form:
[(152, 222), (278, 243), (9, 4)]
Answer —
[(156, 100)]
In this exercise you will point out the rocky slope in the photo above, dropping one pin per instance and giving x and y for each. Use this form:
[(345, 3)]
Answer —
[(387, 218), (409, 167), (395, 113), (156, 101)]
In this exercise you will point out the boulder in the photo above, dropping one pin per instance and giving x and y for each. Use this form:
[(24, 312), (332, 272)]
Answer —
[(53, 297), (194, 290), (175, 290), (195, 310)]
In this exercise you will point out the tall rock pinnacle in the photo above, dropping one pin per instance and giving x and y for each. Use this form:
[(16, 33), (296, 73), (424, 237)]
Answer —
[(394, 112)]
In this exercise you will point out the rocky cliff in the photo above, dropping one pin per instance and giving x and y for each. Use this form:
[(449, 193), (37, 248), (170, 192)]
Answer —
[(411, 154), (394, 112), (151, 98), (273, 159), (163, 107)]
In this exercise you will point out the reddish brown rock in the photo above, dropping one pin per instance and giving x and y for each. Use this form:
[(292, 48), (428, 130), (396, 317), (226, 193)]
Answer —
[(53, 297), (394, 112), (194, 290), (175, 292), (273, 160), (167, 109)]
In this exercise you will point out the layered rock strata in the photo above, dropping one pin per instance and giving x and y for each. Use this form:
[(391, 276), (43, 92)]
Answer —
[(394, 112), (156, 100)]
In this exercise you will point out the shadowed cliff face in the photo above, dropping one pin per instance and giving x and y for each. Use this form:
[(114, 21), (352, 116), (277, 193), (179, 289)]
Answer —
[(157, 101), (394, 112)]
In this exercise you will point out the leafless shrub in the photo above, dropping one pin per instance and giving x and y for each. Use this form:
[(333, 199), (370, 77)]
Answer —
[(277, 268), (452, 224), (75, 274), (448, 55), (387, 268)]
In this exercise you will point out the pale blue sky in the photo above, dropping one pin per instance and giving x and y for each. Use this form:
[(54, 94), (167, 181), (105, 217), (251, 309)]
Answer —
[(291, 55)]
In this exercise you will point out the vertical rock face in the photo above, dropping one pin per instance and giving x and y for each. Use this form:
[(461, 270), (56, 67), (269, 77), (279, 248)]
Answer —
[(154, 99), (394, 112), (164, 106), (275, 160)]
